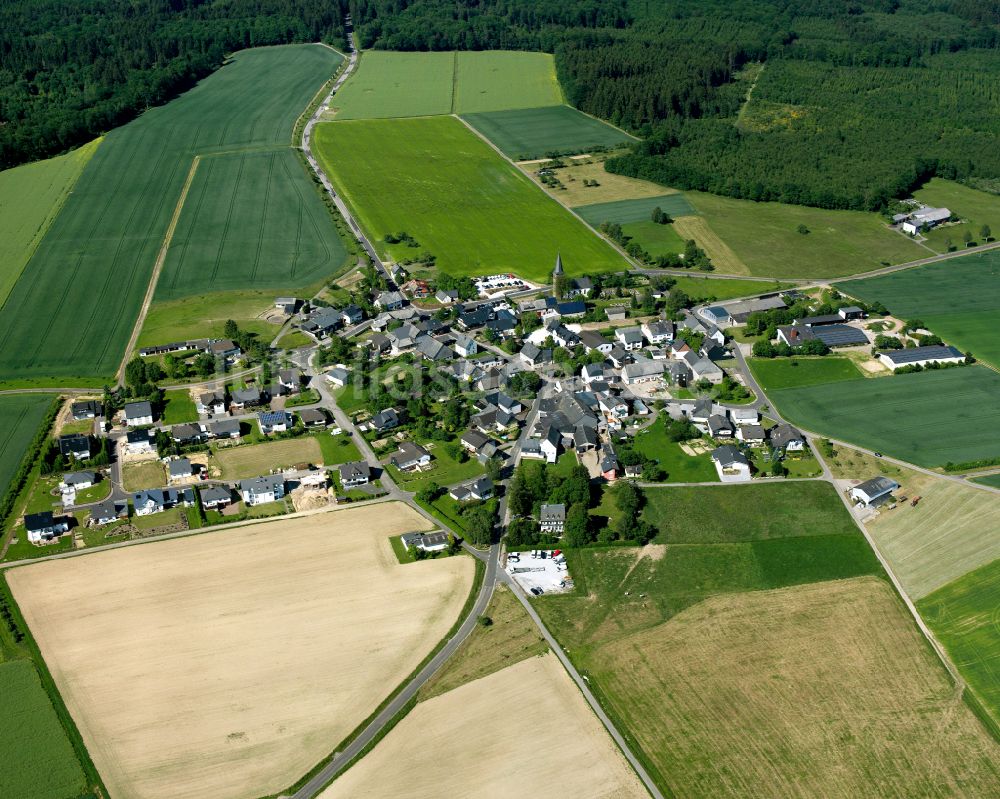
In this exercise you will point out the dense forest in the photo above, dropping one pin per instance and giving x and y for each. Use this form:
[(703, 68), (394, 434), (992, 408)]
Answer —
[(835, 103), (73, 69), (858, 101)]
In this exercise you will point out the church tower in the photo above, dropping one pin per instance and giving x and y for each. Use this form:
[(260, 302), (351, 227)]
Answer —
[(558, 278)]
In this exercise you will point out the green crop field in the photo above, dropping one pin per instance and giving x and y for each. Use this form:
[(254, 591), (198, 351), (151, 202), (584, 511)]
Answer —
[(250, 219), (928, 418), (397, 85), (992, 480), (499, 222), (39, 761), (778, 373), (30, 198), (495, 80), (525, 133), (704, 288), (655, 239), (624, 211), (20, 416), (957, 299), (963, 616), (391, 85), (765, 237), (73, 309)]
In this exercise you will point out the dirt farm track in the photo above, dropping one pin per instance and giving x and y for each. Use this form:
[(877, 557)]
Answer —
[(228, 664)]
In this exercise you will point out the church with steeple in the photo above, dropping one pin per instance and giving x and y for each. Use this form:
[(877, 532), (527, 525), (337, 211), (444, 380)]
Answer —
[(558, 278)]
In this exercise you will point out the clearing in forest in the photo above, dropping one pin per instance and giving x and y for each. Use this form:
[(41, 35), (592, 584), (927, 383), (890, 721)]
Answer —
[(91, 270), (522, 731), (498, 222), (243, 656)]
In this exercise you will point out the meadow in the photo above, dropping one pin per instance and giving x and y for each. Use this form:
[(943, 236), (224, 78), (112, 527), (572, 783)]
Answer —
[(495, 80), (952, 531), (706, 289), (39, 761), (655, 239), (963, 616), (929, 418), (586, 182), (250, 219), (251, 460), (957, 299), (20, 416), (30, 198), (975, 209), (205, 315), (778, 373), (679, 466), (766, 238), (527, 133), (227, 684), (91, 270), (638, 210), (480, 230)]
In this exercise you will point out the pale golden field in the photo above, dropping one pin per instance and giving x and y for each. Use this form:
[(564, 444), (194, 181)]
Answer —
[(611, 187), (952, 530), (824, 690), (524, 731), (227, 664), (723, 258)]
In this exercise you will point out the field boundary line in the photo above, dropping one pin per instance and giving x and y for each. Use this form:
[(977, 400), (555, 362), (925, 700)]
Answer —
[(602, 121), (161, 258)]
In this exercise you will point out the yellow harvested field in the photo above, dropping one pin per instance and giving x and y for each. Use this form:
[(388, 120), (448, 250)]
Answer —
[(823, 690), (611, 187), (522, 731), (251, 460), (228, 664), (723, 258), (953, 530)]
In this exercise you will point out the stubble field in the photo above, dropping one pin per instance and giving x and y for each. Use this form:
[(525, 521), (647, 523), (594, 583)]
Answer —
[(499, 221), (228, 664), (522, 731)]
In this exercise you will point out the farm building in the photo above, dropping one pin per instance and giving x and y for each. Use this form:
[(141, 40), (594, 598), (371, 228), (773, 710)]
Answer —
[(831, 335), (924, 219), (921, 356), (873, 492), (739, 312)]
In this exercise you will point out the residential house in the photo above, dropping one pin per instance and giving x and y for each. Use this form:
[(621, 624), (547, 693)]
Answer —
[(224, 428), (433, 350), (187, 433), (470, 320), (751, 434), (561, 335), (550, 444), (678, 373), (75, 445), (403, 338), (338, 376), (504, 324), (417, 288), (389, 300), (533, 355), (873, 492), (157, 500), (261, 490), (609, 463), (630, 338), (570, 310), (78, 481), (425, 542), (379, 343), (578, 287), (290, 379), (921, 356), (179, 469), (552, 519), (108, 511), (385, 420), (86, 409), (786, 438), (211, 403), (244, 398), (592, 340), (274, 422), (354, 473), (323, 321), (446, 297), (642, 370), (224, 349), (215, 497), (591, 372), (473, 441), (138, 414), (658, 332), (616, 313), (42, 527), (313, 417), (731, 464), (479, 489), (410, 456), (702, 368), (717, 316), (466, 346), (719, 426), (745, 415), (351, 315), (141, 442), (500, 400)]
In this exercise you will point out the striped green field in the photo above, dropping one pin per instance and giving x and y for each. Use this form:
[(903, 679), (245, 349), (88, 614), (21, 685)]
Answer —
[(493, 80), (500, 221), (957, 299), (73, 309), (641, 210), (526, 133), (965, 617), (250, 220), (30, 198), (20, 416)]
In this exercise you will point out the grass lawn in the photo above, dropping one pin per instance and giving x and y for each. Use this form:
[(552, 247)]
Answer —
[(153, 520), (929, 418), (528, 133), (655, 239), (337, 449), (564, 464), (179, 407), (975, 209), (39, 760), (143, 474), (444, 470), (765, 237), (480, 230), (205, 315), (20, 417), (680, 467), (638, 210), (956, 299), (740, 513), (96, 493), (309, 396), (778, 373), (253, 460), (963, 616), (294, 339), (30, 198), (251, 220), (91, 270), (706, 289), (268, 509)]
